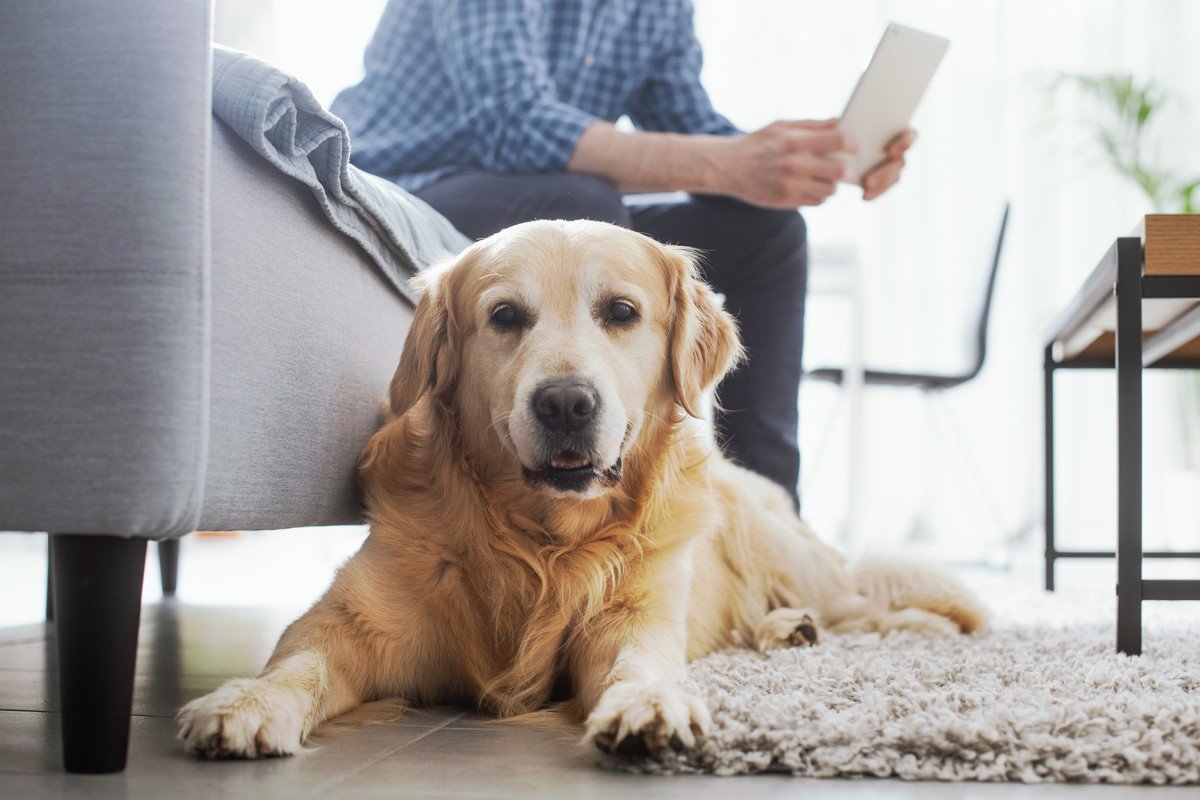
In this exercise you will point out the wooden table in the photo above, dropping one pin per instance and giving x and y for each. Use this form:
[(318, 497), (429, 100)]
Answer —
[(1139, 309)]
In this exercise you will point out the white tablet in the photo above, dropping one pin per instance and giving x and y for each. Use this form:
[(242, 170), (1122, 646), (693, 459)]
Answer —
[(887, 94)]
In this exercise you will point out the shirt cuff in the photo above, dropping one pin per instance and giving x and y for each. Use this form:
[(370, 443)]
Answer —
[(540, 136)]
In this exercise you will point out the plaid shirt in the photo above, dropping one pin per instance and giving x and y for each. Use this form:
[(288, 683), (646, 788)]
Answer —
[(509, 86)]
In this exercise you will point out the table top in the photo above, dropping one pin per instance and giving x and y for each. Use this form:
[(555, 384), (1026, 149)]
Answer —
[(1169, 244)]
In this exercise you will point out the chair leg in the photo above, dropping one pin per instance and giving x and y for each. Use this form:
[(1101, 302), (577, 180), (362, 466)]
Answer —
[(956, 446), (98, 600), (1051, 553), (168, 565), (49, 578), (811, 466)]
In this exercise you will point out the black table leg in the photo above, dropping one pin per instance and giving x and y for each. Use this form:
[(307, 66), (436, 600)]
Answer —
[(1129, 445), (97, 599)]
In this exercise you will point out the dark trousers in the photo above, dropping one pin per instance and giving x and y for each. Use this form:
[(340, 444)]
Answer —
[(756, 257)]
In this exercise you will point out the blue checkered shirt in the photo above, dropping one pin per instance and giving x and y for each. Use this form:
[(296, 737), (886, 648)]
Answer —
[(509, 86)]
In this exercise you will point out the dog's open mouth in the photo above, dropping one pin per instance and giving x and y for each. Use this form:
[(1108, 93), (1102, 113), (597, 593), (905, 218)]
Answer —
[(569, 460), (568, 471)]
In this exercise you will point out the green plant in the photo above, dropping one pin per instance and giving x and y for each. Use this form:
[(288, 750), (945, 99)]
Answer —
[(1127, 110)]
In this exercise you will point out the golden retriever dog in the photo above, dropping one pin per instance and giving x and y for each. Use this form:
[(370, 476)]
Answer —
[(549, 519)]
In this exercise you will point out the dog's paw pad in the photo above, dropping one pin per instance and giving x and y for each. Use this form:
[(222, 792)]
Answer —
[(646, 719), (786, 627), (804, 633), (243, 719)]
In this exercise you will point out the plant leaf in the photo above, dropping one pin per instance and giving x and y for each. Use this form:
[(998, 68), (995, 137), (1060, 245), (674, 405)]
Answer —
[(1187, 196)]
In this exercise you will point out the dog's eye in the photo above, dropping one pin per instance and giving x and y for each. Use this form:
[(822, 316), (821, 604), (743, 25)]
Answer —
[(620, 312), (507, 317)]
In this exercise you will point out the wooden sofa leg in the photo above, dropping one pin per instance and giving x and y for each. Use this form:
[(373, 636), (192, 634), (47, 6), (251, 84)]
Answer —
[(168, 565), (97, 603)]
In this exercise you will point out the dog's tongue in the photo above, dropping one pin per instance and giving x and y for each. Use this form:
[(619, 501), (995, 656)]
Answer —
[(568, 460)]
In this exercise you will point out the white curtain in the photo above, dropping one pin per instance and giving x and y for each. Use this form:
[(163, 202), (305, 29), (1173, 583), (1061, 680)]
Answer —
[(990, 127)]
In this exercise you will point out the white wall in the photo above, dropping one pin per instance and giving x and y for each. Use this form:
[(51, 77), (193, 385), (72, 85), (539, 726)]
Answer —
[(989, 127), (317, 41)]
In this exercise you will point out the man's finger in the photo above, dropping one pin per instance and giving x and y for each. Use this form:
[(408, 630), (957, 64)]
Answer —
[(816, 125), (877, 187), (891, 165), (817, 199), (879, 175), (805, 192), (901, 142), (831, 140), (817, 191), (830, 170), (881, 179)]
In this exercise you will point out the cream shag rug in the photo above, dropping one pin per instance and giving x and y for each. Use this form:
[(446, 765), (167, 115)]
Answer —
[(1027, 701)]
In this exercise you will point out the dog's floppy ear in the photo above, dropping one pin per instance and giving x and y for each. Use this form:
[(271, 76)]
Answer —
[(428, 362), (704, 339)]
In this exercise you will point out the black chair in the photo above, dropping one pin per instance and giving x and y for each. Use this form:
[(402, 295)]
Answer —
[(930, 382), (932, 385)]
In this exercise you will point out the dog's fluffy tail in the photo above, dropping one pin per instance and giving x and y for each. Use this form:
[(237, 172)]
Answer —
[(897, 584)]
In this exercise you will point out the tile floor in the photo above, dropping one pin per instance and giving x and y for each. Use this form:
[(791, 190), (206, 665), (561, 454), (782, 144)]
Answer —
[(187, 648)]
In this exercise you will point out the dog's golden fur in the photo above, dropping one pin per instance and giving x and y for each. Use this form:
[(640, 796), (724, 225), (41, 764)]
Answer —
[(478, 586)]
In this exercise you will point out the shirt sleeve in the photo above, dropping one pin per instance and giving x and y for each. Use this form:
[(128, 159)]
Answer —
[(672, 99), (493, 51)]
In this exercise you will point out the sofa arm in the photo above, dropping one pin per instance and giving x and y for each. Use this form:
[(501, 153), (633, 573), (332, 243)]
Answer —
[(103, 264)]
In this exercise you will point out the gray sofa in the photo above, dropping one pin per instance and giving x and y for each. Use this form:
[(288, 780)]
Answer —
[(185, 342)]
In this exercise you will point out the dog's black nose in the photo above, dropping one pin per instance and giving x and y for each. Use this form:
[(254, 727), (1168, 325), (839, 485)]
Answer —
[(565, 406)]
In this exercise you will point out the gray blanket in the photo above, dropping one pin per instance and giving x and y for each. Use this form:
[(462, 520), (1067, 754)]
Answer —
[(280, 118)]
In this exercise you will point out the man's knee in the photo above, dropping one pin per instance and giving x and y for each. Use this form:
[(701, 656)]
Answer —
[(770, 235), (578, 196), (781, 231), (792, 227), (776, 249)]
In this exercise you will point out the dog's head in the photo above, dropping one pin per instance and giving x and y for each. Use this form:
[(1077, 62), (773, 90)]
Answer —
[(553, 343)]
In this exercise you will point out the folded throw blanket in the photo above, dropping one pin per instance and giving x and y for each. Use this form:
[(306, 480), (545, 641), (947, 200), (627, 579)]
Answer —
[(280, 118)]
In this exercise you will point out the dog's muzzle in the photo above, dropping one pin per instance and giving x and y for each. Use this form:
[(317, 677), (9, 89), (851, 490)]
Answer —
[(566, 412)]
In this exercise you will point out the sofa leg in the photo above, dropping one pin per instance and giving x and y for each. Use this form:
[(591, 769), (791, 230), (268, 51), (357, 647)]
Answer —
[(168, 565), (49, 578), (97, 603)]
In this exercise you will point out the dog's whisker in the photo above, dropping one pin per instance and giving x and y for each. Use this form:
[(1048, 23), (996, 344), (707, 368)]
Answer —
[(499, 420)]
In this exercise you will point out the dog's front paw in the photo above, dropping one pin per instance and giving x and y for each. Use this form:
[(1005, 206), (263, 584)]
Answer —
[(786, 627), (644, 719), (245, 718)]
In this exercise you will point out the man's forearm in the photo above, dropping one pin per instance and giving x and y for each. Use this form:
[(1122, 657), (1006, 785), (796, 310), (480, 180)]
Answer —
[(652, 162)]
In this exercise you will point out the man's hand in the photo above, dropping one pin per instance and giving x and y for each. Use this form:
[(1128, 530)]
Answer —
[(785, 165), (880, 179)]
